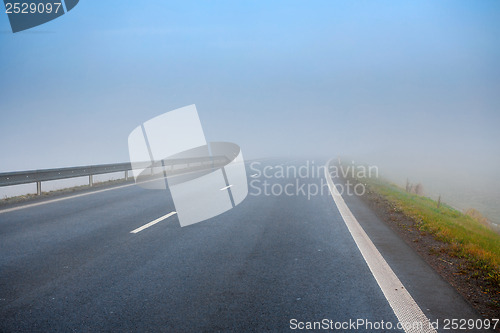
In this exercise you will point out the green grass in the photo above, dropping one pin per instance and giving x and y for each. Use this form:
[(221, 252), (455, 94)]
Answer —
[(465, 235)]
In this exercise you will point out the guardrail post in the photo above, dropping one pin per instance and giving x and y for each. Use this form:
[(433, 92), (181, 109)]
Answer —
[(39, 176)]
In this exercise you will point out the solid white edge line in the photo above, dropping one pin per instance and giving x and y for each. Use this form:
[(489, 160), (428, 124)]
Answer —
[(7, 210), (69, 197), (225, 188), (147, 225), (402, 303)]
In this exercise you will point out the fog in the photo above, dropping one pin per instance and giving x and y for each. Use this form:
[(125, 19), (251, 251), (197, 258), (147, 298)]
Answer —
[(409, 87)]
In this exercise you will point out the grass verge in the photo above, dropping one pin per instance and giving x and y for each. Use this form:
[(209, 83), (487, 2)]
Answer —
[(465, 236), (461, 247)]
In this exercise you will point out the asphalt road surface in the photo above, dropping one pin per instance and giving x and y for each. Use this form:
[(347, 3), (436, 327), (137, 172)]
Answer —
[(273, 263)]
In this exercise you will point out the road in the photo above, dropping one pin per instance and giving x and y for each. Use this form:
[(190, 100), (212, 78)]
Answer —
[(271, 263)]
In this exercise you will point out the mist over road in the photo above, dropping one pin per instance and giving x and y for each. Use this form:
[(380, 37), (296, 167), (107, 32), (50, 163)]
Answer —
[(268, 264)]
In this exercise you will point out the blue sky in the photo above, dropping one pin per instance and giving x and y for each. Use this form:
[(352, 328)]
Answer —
[(415, 82)]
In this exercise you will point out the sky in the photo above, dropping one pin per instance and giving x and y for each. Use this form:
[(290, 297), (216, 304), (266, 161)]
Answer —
[(407, 85)]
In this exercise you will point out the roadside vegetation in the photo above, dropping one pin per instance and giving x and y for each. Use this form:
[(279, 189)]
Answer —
[(466, 235)]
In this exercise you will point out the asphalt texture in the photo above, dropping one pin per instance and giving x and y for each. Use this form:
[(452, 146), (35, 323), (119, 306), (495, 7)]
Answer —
[(74, 266)]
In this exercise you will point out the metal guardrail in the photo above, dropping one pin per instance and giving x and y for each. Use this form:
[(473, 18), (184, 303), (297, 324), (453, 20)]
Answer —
[(39, 176)]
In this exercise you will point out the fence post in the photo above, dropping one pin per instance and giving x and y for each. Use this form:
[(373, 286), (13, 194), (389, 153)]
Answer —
[(39, 188), (91, 180), (126, 175), (439, 201)]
